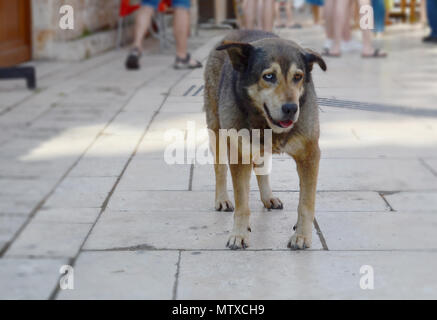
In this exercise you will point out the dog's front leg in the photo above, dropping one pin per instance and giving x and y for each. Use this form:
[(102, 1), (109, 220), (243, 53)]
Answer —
[(239, 238), (267, 198), (308, 169)]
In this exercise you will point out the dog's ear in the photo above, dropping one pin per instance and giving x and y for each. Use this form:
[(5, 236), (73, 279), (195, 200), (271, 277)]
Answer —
[(238, 52), (312, 57)]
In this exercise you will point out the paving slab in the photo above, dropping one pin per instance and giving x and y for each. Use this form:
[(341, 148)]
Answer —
[(349, 133), (181, 99), (123, 275), (49, 239), (67, 215), (118, 230), (379, 231), (156, 148), (186, 107), (99, 166), (413, 201), (189, 87), (81, 192), (26, 188), (155, 175), (147, 99), (14, 168), (15, 204), (432, 163), (374, 174), (29, 279), (130, 123), (113, 146), (167, 121), (305, 275), (9, 225)]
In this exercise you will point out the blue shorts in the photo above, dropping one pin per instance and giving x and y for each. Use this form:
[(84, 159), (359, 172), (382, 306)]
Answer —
[(315, 2), (175, 3)]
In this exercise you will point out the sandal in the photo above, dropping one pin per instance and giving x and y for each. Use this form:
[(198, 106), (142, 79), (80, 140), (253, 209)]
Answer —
[(376, 54), (327, 53), (295, 26), (133, 59), (183, 64)]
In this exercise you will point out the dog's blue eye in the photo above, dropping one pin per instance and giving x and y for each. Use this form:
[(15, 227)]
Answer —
[(270, 77)]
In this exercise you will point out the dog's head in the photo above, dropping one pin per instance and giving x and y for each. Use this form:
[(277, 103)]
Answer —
[(274, 73)]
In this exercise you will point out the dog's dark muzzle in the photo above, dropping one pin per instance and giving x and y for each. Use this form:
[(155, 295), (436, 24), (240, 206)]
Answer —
[(289, 111)]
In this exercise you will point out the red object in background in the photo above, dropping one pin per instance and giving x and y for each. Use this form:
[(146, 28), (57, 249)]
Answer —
[(164, 5), (126, 8)]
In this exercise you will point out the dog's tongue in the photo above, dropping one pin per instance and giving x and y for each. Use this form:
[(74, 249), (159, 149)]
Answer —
[(286, 124)]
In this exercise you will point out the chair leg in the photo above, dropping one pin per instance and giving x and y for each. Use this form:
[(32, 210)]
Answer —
[(162, 32), (119, 33)]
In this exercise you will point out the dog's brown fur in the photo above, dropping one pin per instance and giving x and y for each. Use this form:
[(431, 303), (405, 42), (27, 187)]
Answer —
[(240, 94)]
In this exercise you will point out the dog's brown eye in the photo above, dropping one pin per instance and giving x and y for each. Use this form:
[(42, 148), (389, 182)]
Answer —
[(297, 77), (270, 77)]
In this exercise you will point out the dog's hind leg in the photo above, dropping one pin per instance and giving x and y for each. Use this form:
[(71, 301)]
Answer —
[(267, 198), (241, 174), (222, 202), (307, 168)]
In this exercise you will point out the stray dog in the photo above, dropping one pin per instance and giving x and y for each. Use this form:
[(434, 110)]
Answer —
[(256, 80)]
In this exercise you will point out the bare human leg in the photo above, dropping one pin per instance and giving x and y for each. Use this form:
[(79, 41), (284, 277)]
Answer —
[(368, 49), (341, 15), (181, 27), (142, 23), (268, 15), (249, 7)]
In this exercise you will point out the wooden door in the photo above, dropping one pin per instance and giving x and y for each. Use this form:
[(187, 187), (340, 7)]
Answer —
[(15, 39)]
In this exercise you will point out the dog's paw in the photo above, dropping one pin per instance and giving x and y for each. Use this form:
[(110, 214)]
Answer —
[(273, 203), (299, 242), (224, 205), (238, 240)]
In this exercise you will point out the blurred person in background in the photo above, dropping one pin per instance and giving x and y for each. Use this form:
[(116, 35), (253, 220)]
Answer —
[(339, 16), (288, 5), (267, 13), (347, 43), (423, 18), (431, 8), (181, 26), (316, 7), (379, 16)]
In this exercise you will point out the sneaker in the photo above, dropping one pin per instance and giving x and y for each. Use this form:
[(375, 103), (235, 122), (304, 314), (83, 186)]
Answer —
[(133, 59)]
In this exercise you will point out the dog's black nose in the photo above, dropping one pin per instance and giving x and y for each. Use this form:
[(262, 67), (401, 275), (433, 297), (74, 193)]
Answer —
[(289, 108)]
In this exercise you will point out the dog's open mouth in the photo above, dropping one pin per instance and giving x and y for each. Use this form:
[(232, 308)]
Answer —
[(282, 124)]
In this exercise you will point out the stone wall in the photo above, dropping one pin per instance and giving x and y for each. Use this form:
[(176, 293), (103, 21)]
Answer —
[(95, 23)]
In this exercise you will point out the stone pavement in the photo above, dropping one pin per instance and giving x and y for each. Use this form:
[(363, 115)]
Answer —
[(83, 183)]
